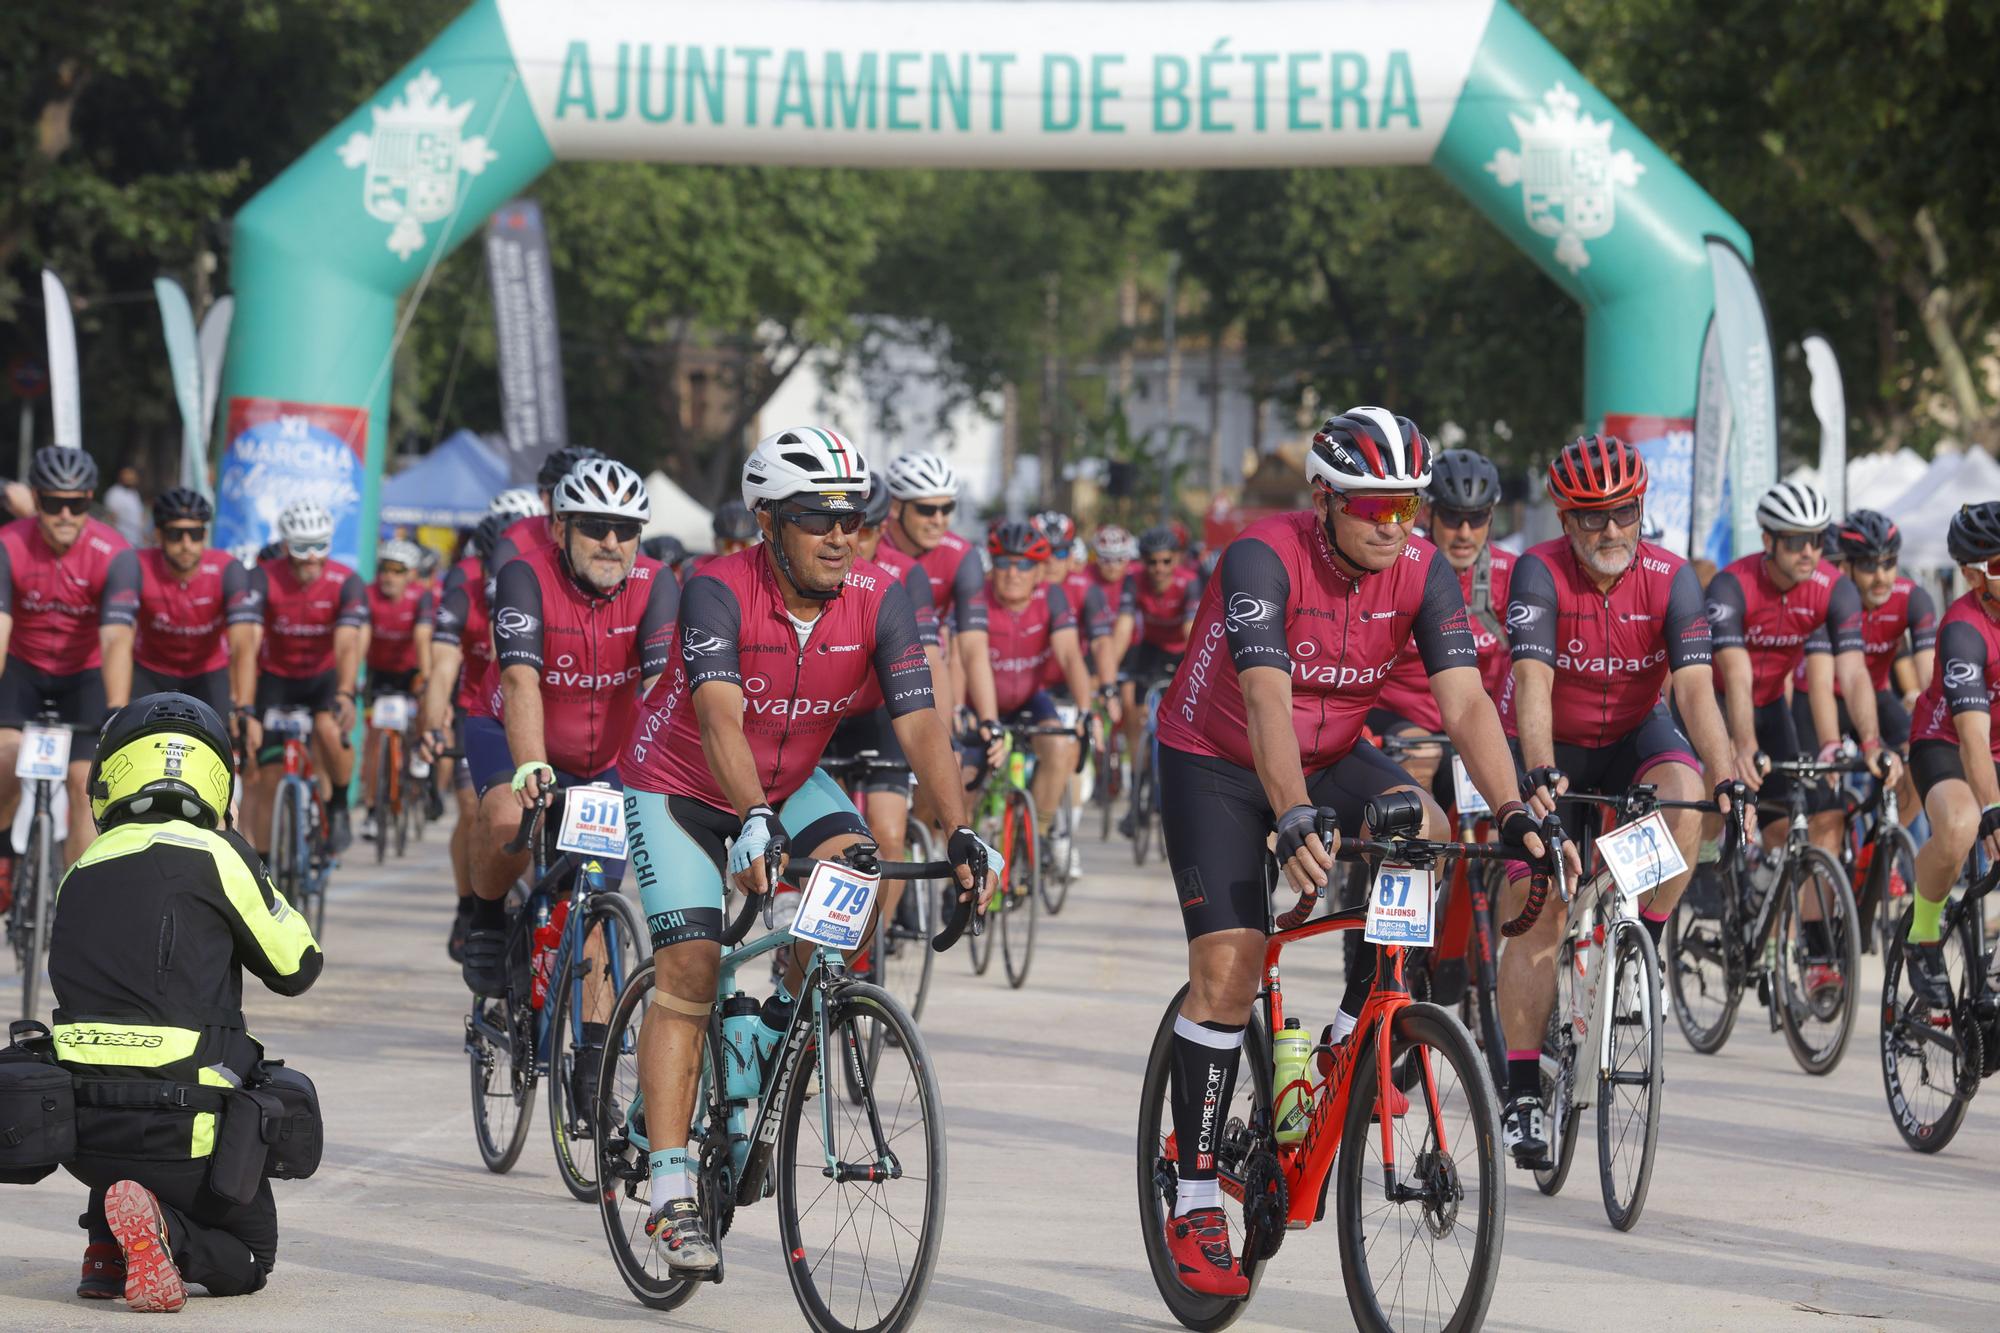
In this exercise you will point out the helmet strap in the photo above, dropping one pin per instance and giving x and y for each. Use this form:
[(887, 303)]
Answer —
[(582, 584), (1360, 571)]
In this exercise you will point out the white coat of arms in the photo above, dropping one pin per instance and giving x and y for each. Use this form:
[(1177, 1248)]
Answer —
[(413, 160), (1568, 173)]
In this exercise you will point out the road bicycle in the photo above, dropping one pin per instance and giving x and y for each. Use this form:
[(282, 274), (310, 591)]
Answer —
[(539, 1026), (1880, 858), (1419, 1191), (1933, 1060), (1145, 812), (396, 808), (1004, 815), (859, 1179), (1784, 923), (302, 859), (899, 962), (43, 768)]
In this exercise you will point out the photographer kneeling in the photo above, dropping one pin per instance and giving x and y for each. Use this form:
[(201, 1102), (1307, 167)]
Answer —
[(152, 927)]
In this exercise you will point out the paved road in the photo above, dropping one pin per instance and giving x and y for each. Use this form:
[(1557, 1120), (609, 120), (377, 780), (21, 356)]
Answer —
[(1780, 1201)]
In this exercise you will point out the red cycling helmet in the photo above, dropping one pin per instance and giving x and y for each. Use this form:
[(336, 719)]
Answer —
[(1018, 537), (1596, 472)]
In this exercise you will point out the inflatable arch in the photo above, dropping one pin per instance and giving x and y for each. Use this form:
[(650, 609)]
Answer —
[(322, 255)]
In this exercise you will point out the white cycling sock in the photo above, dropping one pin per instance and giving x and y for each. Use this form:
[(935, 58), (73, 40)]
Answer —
[(669, 1176), (1343, 1026), (1193, 1194)]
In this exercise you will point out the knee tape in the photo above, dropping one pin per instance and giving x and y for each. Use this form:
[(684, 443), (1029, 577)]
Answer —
[(674, 1004)]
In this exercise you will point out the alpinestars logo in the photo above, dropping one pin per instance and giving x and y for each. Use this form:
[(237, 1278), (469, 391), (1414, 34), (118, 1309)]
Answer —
[(1245, 611)]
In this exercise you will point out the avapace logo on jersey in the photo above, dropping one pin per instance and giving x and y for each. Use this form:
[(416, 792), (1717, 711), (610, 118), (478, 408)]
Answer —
[(588, 680), (1572, 659), (1330, 675)]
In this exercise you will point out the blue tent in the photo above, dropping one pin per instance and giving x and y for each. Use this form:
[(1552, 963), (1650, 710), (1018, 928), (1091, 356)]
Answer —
[(448, 487)]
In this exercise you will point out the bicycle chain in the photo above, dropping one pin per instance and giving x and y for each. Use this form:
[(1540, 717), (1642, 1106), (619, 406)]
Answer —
[(1266, 1203)]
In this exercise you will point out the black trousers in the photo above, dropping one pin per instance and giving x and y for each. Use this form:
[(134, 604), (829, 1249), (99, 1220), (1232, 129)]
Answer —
[(226, 1247)]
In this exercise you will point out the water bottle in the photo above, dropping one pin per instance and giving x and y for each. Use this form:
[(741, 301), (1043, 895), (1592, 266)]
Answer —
[(420, 768), (741, 1068), (1291, 1050), (548, 934), (774, 1020)]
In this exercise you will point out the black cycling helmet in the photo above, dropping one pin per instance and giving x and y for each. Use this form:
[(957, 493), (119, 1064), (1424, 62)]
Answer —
[(875, 509), (667, 550), (162, 754), (733, 522), (60, 467), (1018, 537), (1974, 535), (1462, 479), (557, 465), (182, 504), (480, 543), (1867, 535), (1157, 539)]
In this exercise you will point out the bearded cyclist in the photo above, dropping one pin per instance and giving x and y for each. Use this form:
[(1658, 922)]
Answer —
[(1600, 622), (400, 611), (1262, 725), (185, 590), (1156, 608), (773, 640)]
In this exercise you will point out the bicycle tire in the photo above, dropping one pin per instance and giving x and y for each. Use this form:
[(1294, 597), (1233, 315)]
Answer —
[(1823, 1058), (979, 946), (40, 865), (315, 876), (1704, 953), (906, 968), (1467, 1107), (566, 1130), (1142, 816), (399, 794), (1558, 1100), (380, 808), (1017, 916), (499, 1143), (286, 873), (851, 1004), (1902, 853), (1928, 1102), (1054, 888), (1630, 946), (1159, 1181)]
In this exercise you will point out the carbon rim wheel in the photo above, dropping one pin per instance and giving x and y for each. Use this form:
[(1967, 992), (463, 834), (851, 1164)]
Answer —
[(1703, 978), (1927, 1054), (1629, 1089), (1559, 1111), (1024, 874), (571, 1128), (1818, 979), (503, 1082)]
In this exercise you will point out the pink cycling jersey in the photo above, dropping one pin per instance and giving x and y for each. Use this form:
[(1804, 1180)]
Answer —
[(955, 575), (59, 601), (1163, 613), (299, 618), (591, 650), (1611, 649), (1279, 600), (1966, 675), (179, 617), (1747, 610), (1905, 623), (734, 629), (462, 622), (1094, 612), (905, 570), (392, 642), (1407, 692), (1021, 643)]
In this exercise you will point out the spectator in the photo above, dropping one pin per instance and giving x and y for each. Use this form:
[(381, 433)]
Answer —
[(127, 510)]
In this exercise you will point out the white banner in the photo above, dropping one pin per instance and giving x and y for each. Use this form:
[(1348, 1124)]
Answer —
[(65, 391), (214, 343), (1829, 400), (1745, 336), (990, 84), (1709, 533)]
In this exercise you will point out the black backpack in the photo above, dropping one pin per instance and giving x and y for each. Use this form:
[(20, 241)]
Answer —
[(37, 1106)]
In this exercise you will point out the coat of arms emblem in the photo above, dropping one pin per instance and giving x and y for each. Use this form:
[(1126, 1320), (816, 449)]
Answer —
[(413, 160), (1567, 172)]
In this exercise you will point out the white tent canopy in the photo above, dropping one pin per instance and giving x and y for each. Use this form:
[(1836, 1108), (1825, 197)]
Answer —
[(1924, 510), (1872, 478), (676, 513)]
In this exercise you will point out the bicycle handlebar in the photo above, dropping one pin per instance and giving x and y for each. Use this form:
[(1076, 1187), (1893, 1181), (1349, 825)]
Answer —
[(529, 818), (1813, 768), (799, 869)]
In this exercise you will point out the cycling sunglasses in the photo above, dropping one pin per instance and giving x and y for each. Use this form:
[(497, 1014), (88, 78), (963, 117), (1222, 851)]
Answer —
[(307, 550), (197, 534), (1442, 518), (820, 522), (1791, 543), (597, 529), (390, 567), (1381, 508), (1993, 566), (932, 511), (1595, 520), (1015, 562), (1872, 566), (63, 504), (1162, 561)]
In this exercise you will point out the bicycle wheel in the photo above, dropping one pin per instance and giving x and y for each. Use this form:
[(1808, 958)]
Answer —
[(616, 924), (1932, 1059), (625, 1201), (383, 809), (1053, 882), (1893, 887), (1429, 1259), (287, 870), (499, 1047), (401, 794), (1559, 1108), (1704, 964), (849, 1273), (1159, 1171), (1024, 876), (1634, 1074), (1142, 816), (905, 952), (1819, 961), (979, 947), (35, 873)]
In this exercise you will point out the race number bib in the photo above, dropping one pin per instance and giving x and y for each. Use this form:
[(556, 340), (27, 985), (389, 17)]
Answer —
[(1470, 802), (288, 721), (1642, 856), (392, 712), (44, 754), (833, 910), (593, 822), (1401, 904)]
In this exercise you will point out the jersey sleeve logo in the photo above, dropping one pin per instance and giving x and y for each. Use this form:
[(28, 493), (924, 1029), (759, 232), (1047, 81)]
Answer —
[(700, 643), (1522, 614), (1960, 673), (1246, 610), (1718, 613), (514, 623)]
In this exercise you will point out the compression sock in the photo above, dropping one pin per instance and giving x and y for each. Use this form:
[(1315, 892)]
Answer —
[(466, 904), (1655, 924), (489, 913), (1204, 1074), (1817, 939), (670, 1176), (1926, 918), (1524, 1073), (1360, 980)]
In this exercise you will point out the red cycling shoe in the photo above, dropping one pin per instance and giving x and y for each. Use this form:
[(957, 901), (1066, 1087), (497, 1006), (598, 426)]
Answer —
[(1199, 1244)]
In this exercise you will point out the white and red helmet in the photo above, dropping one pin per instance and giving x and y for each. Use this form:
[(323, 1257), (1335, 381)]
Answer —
[(1370, 449)]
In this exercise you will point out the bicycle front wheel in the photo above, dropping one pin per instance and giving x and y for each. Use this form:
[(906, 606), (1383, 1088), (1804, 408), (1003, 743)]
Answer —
[(1142, 815), (1022, 887), (906, 955), (381, 810), (500, 1051), (1053, 883), (576, 1005), (837, 1168), (1633, 1077), (1932, 1060), (1429, 1259), (37, 868), (1819, 962)]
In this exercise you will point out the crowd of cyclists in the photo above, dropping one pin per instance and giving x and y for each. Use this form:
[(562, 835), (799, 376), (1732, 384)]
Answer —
[(842, 612)]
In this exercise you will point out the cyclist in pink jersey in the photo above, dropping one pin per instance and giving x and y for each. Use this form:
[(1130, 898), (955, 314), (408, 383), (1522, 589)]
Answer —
[(1113, 550), (1600, 623), (67, 586), (1096, 615), (1292, 640), (1156, 610), (309, 614), (776, 642), (1954, 745), (531, 530), (923, 496), (183, 644), (732, 527), (398, 643)]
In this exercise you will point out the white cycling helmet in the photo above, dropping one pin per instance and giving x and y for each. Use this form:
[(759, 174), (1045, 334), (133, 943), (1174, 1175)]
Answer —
[(915, 475), (305, 523), (517, 502), (1115, 543), (396, 552), (1791, 507), (806, 459), (603, 486), (1369, 449)]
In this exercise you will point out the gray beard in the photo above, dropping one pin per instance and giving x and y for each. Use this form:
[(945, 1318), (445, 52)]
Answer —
[(1597, 564)]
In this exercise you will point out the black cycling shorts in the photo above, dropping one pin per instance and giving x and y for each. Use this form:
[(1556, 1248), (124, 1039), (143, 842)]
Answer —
[(1931, 762), (1610, 770), (310, 692), (78, 699), (872, 730), (1039, 710), (1778, 737), (1146, 663), (1215, 821), (211, 687), (1385, 723), (391, 682), (1891, 719)]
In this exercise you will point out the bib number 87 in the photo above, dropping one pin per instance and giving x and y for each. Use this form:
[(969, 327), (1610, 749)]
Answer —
[(1393, 890)]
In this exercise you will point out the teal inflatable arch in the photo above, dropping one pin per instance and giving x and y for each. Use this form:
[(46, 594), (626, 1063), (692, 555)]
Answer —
[(322, 255)]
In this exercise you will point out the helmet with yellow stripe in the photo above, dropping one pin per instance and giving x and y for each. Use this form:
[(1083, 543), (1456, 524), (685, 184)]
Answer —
[(162, 754)]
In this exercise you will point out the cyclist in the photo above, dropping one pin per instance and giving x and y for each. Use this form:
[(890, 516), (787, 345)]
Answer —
[(1095, 612), (666, 549), (1307, 613), (1764, 608), (1464, 489), (733, 527), (68, 584), (923, 495), (579, 628), (400, 612), (1115, 549), (533, 527), (1157, 604), (1954, 744), (1599, 622), (185, 590), (721, 769), (312, 613)]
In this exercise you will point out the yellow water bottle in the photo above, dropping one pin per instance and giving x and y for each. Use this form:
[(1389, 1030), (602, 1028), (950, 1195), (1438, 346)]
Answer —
[(1291, 1056)]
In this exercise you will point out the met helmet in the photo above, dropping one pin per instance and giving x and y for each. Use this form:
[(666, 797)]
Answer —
[(1369, 449), (1867, 535), (1155, 540), (1462, 479), (62, 467), (162, 754), (182, 504), (480, 543), (921, 473), (1059, 528), (805, 460), (603, 486), (1793, 506), (1018, 537), (1974, 535), (305, 523), (1114, 543), (1596, 472), (519, 502), (665, 548), (558, 464), (733, 522)]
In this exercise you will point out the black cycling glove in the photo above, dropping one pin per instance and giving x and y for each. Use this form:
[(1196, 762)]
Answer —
[(1516, 823), (1989, 820), (1294, 827), (1548, 775)]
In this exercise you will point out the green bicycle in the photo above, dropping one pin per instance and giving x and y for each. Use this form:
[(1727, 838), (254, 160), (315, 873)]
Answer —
[(1004, 815)]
